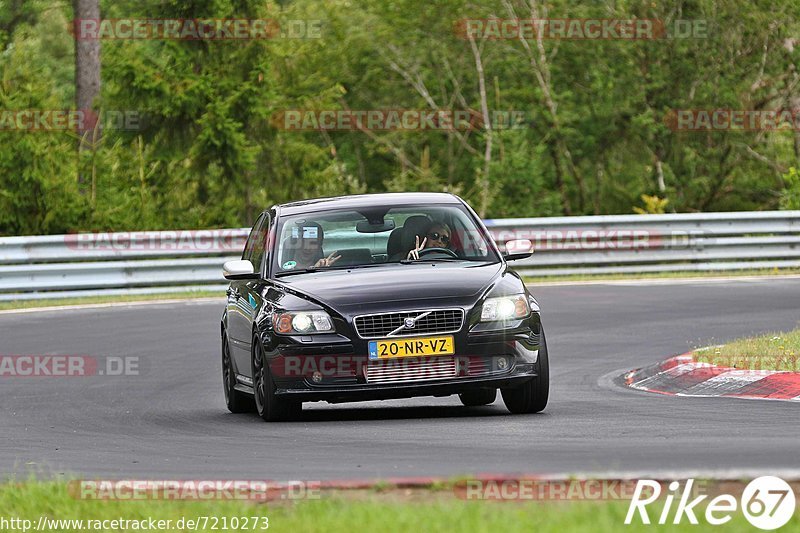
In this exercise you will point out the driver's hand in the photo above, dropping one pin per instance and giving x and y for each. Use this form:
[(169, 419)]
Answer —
[(328, 261), (414, 253)]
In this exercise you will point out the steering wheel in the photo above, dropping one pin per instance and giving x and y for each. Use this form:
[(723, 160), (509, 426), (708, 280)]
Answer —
[(447, 251)]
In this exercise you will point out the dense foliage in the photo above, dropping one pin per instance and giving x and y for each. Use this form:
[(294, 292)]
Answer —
[(596, 136)]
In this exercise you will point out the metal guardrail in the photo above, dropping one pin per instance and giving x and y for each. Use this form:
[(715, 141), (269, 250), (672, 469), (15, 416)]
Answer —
[(55, 266), (693, 242)]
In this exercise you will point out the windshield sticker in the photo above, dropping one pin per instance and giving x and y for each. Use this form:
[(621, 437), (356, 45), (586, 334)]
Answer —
[(310, 232), (288, 265), (295, 232)]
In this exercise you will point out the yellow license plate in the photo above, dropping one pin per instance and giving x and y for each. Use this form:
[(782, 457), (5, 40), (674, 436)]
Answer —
[(414, 347)]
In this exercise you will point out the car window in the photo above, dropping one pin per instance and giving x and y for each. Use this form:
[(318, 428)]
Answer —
[(260, 243), (247, 253), (376, 235), (255, 247)]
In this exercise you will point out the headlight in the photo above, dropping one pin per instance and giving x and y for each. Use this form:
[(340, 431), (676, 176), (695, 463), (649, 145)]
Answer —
[(505, 308), (303, 322)]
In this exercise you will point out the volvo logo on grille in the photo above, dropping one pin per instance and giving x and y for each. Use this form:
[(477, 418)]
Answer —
[(373, 328)]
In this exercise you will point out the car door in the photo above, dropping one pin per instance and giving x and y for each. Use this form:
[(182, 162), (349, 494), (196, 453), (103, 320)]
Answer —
[(240, 303), (250, 291)]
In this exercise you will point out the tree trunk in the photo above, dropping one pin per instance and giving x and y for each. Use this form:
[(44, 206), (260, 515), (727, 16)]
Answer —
[(87, 78), (560, 185), (795, 107), (485, 184)]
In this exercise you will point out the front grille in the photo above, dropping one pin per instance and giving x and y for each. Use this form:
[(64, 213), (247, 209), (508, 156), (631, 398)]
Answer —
[(434, 322), (411, 369)]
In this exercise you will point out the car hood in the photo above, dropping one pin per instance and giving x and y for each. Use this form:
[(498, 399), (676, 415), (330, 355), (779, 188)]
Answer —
[(400, 286)]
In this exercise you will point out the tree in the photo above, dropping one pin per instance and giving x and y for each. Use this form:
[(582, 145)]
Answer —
[(87, 79)]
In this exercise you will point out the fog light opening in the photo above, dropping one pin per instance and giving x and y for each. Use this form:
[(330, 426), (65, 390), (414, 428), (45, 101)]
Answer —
[(502, 363)]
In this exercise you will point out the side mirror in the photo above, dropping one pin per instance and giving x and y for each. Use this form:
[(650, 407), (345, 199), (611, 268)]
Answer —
[(518, 249), (234, 270)]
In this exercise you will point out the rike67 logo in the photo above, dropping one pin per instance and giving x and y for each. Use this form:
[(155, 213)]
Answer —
[(767, 502)]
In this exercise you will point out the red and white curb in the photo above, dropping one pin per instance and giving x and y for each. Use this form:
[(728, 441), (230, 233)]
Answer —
[(683, 376)]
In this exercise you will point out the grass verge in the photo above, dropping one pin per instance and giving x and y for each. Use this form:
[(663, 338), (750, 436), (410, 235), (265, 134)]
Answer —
[(29, 501), (773, 351), (188, 295)]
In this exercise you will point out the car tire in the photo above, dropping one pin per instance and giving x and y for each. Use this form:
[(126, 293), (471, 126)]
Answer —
[(269, 406), (236, 401), (533, 395), (478, 397)]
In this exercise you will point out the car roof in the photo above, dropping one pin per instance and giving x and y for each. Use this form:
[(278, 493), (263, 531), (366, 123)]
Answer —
[(365, 200)]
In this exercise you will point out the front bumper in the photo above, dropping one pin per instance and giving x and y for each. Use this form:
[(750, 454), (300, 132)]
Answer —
[(335, 368), (387, 391)]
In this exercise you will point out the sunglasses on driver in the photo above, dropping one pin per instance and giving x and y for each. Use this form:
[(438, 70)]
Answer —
[(441, 237)]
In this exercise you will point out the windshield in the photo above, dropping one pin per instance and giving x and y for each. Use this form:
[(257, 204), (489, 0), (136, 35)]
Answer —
[(379, 235)]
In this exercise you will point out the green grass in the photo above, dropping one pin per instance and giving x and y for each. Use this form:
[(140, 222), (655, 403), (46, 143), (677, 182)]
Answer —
[(774, 351), (27, 304), (439, 511), (666, 275)]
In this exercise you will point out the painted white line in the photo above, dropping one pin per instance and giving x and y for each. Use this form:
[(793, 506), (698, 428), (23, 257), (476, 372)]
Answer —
[(674, 372), (742, 397), (105, 305), (667, 281), (726, 383)]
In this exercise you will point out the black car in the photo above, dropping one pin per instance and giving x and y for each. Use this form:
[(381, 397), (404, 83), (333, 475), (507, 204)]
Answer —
[(377, 297)]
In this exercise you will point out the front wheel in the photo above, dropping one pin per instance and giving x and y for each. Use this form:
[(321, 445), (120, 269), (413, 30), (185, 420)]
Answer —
[(269, 406), (236, 401), (532, 396)]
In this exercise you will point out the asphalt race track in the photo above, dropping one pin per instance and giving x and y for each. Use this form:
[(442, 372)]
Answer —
[(171, 421)]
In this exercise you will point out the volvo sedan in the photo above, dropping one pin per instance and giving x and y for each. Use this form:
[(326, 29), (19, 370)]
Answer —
[(376, 297)]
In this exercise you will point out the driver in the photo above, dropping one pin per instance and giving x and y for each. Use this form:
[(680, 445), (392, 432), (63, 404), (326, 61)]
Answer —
[(438, 236)]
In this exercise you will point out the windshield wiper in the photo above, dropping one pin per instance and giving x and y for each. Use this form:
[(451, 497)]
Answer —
[(347, 267), (430, 259), (325, 269), (298, 271)]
